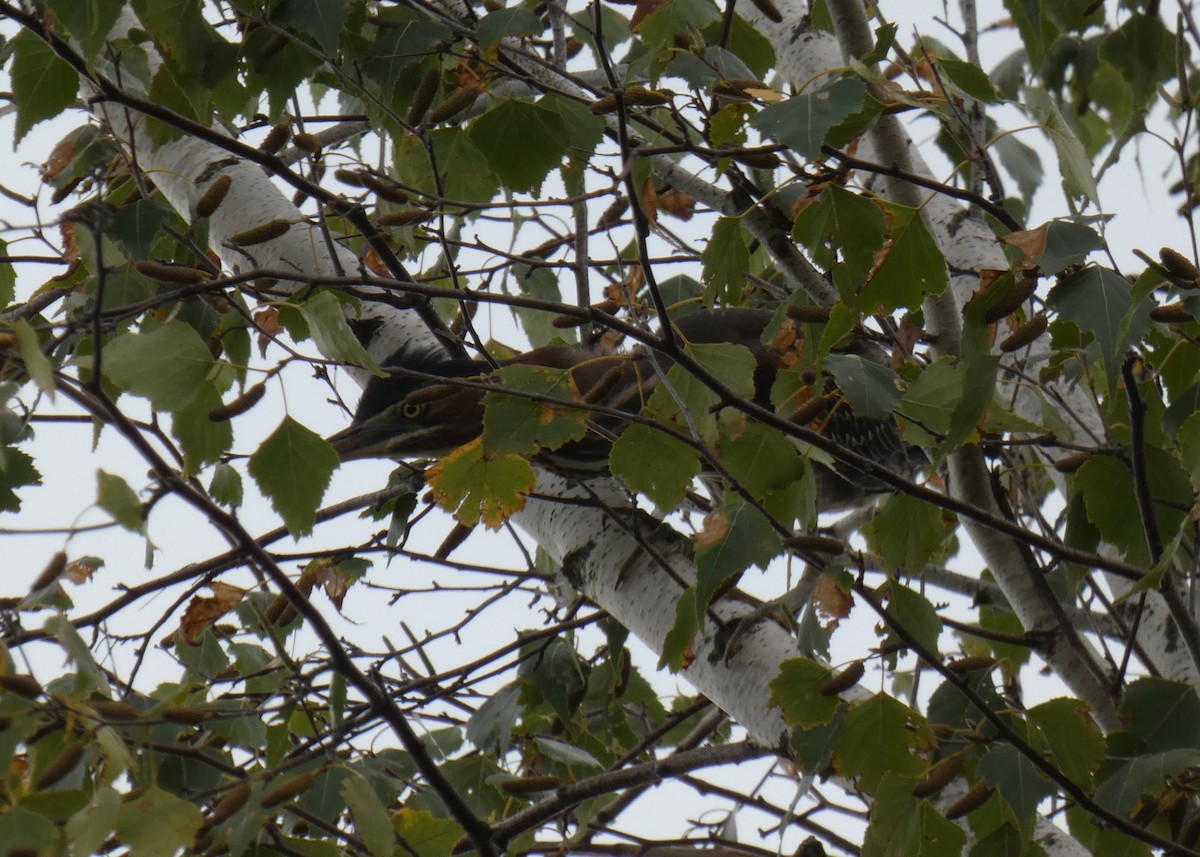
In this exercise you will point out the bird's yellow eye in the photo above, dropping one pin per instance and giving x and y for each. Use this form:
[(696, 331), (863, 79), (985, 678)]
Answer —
[(412, 412)]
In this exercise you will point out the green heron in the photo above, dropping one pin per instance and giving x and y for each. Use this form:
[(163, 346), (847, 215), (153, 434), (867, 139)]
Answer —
[(423, 408)]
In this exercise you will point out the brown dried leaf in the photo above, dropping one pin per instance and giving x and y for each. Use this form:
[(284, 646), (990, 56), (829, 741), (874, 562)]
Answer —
[(375, 264), (1031, 242), (80, 570), (202, 613), (716, 527), (677, 204), (648, 199), (831, 601), (268, 324), (329, 575), (66, 229), (907, 336), (60, 157)]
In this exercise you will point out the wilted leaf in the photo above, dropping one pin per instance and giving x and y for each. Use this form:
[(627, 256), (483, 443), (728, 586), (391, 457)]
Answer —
[(202, 613), (478, 487), (831, 601)]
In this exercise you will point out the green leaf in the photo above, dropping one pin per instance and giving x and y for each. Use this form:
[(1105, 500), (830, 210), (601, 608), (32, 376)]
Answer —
[(968, 79), (157, 824), (181, 96), (1143, 50), (796, 692), (843, 231), (1016, 778), (1163, 713), (735, 537), (567, 754), (321, 19), (114, 496), (910, 266), (203, 441), (329, 329), (226, 486), (427, 834), (678, 16), (292, 468), (514, 21), (522, 142), (520, 425), (190, 46), (16, 470), (876, 740), (584, 130), (88, 829), (1037, 29), (1097, 301), (1189, 443), (932, 398), (1022, 162), (998, 832), (36, 363), (1144, 775), (470, 180), (558, 675), (979, 389), (22, 828), (762, 460), (725, 260), (802, 122), (490, 727), (88, 22), (400, 44), (653, 463), (1074, 740), (371, 821), (87, 676), (681, 638), (136, 227), (1073, 160), (1106, 484), (747, 47), (912, 611), (44, 84), (904, 826), (872, 390), (478, 487), (166, 365), (8, 278), (1066, 244)]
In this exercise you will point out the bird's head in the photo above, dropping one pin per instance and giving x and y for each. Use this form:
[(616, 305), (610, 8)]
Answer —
[(419, 409)]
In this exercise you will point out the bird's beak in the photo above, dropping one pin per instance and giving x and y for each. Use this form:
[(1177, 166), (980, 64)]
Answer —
[(383, 439), (354, 442)]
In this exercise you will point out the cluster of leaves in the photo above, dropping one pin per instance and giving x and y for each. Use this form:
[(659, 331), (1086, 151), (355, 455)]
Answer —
[(176, 768), (924, 769)]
